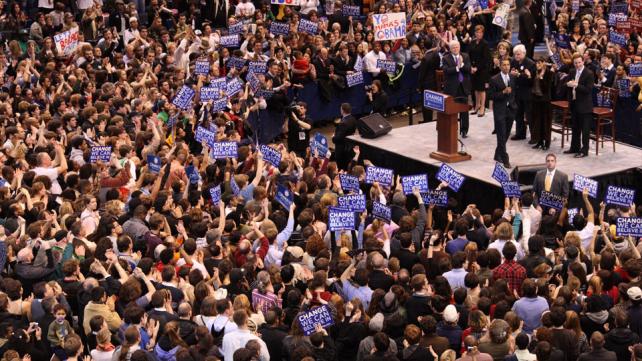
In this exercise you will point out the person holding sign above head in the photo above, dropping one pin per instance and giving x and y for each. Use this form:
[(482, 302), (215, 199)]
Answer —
[(551, 180), (580, 84), (456, 66), (502, 93)]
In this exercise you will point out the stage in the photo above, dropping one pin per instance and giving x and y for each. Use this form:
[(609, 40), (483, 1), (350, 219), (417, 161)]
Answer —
[(407, 149)]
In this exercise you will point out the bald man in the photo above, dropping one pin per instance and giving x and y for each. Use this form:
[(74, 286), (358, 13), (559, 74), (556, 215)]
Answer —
[(380, 277), (456, 66), (597, 353)]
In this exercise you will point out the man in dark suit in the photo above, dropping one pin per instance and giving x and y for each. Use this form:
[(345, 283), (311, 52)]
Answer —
[(504, 106), (527, 28), (456, 67), (580, 83), (550, 179), (346, 127), (428, 77), (523, 69), (606, 77)]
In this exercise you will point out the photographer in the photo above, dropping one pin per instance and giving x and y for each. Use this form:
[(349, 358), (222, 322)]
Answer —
[(298, 129), (377, 98)]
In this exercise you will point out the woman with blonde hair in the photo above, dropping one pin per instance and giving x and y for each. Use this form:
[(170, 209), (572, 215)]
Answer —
[(504, 234), (241, 302)]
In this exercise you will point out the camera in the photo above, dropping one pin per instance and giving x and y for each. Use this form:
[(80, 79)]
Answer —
[(368, 88)]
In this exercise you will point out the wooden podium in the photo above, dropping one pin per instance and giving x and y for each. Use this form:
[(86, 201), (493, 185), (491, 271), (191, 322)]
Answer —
[(448, 128)]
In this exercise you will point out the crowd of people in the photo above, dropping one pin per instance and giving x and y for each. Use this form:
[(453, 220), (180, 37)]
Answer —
[(130, 255)]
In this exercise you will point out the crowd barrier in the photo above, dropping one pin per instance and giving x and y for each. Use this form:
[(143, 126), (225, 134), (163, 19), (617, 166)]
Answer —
[(403, 91)]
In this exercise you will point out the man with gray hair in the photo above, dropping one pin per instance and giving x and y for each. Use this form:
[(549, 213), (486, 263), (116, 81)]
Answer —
[(523, 70), (456, 66)]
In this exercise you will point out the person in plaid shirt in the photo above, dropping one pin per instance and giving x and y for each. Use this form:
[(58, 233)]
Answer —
[(510, 270)]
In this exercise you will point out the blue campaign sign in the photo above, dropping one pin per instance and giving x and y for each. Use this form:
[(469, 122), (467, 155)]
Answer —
[(353, 202), (284, 196), (235, 62), (581, 182), (511, 189), (205, 135), (224, 150), (619, 8), (320, 144), (614, 19), (454, 179), (351, 10), (435, 101), (617, 38), (358, 64), (230, 41), (411, 181), (377, 174), (562, 40), (153, 163), (265, 94), (100, 153), (557, 60), (234, 87), (183, 98), (349, 183), (354, 78), (619, 196), (635, 70), (381, 211), (571, 213), (307, 26), (548, 199), (254, 81), (317, 316), (209, 93), (235, 29), (219, 104), (192, 174), (215, 194), (388, 66), (629, 226), (257, 67), (219, 84), (436, 197), (278, 28), (235, 187), (500, 173), (202, 67), (340, 219), (623, 86), (271, 155)]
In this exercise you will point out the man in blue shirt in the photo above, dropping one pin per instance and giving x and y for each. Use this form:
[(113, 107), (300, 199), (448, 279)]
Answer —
[(458, 244), (357, 289), (530, 307)]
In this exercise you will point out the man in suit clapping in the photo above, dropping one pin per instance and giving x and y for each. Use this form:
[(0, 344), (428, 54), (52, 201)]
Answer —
[(456, 67), (580, 82)]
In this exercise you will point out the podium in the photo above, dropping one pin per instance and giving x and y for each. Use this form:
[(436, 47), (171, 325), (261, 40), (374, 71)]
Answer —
[(447, 126)]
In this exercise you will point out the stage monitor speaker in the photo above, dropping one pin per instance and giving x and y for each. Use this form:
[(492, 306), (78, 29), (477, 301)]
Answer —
[(373, 126), (525, 174)]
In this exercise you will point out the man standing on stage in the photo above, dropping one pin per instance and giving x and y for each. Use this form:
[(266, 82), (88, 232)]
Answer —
[(527, 28), (456, 67), (523, 69), (502, 93), (346, 127), (581, 103), (550, 180), (428, 75)]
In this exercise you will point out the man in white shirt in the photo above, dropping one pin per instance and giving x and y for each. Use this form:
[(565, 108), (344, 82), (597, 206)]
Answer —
[(370, 60), (52, 169), (458, 273), (131, 33), (238, 338), (245, 9)]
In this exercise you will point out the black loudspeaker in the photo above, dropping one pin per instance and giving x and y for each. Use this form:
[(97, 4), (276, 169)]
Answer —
[(525, 174), (373, 126)]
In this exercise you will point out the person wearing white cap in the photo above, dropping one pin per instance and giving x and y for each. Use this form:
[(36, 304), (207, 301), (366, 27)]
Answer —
[(132, 32), (635, 311), (449, 327)]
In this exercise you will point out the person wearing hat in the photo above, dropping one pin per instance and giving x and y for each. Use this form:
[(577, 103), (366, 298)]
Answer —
[(635, 311), (449, 328), (132, 32)]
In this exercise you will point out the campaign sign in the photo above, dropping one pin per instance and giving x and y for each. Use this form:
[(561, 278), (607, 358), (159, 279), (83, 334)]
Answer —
[(219, 104), (617, 38), (636, 4), (381, 211), (501, 15), (353, 202), (235, 62), (377, 174), (153, 163), (388, 66), (257, 67), (548, 199), (389, 26), (202, 67), (192, 174), (205, 135), (230, 41), (265, 94), (236, 28), (253, 80), (102, 153), (320, 144), (308, 27), (351, 10), (340, 219), (571, 213), (623, 86), (349, 183), (278, 28), (219, 84), (419, 181), (557, 60), (354, 78), (623, 25), (284, 196), (629, 226), (500, 173), (619, 196), (67, 42), (562, 40), (183, 98), (581, 182), (436, 197), (435, 101), (271, 155), (358, 64), (616, 18), (215, 194), (224, 150), (235, 187), (619, 8), (452, 177), (286, 2), (575, 6), (234, 87), (209, 93), (318, 316), (511, 189), (635, 70)]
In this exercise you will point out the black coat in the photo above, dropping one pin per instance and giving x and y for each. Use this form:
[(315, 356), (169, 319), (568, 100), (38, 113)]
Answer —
[(347, 127), (502, 103), (526, 26), (415, 353), (427, 71), (583, 102), (273, 338), (451, 75), (618, 340), (524, 84)]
